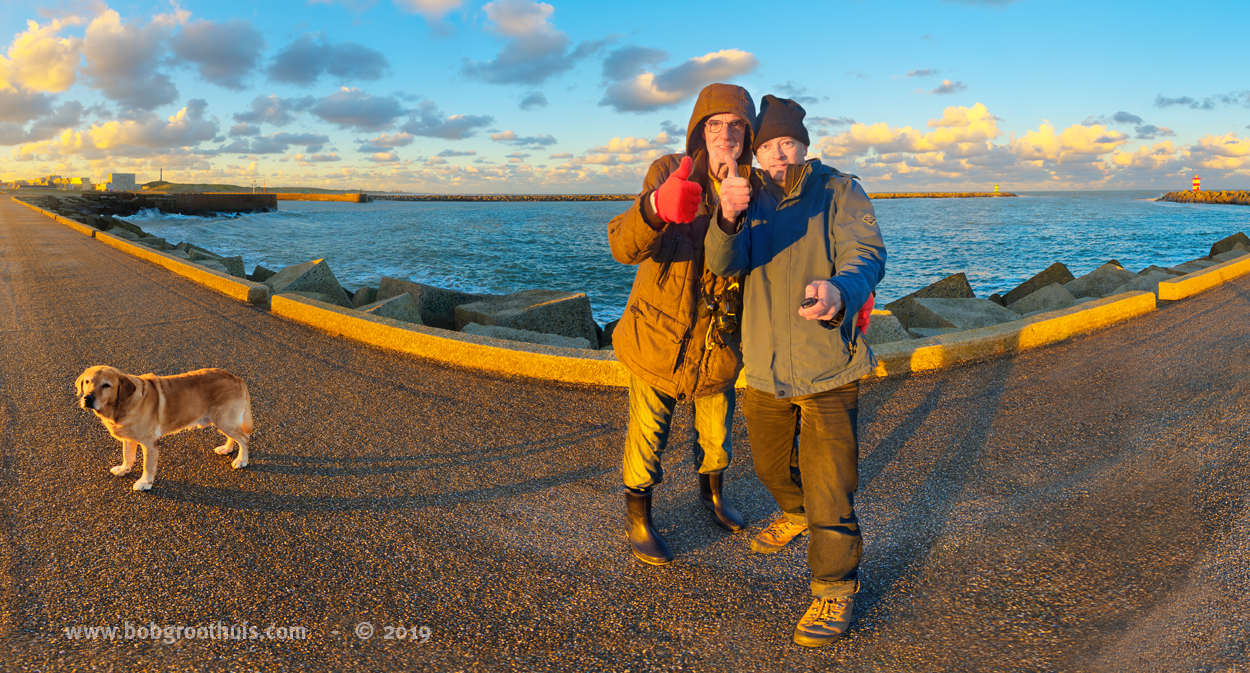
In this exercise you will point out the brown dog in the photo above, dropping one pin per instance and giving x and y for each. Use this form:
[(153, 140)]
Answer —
[(142, 409)]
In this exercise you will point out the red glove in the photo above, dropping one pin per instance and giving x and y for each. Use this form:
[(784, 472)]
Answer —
[(865, 313), (677, 200)]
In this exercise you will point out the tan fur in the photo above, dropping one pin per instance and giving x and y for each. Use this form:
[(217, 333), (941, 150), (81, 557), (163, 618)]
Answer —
[(142, 409)]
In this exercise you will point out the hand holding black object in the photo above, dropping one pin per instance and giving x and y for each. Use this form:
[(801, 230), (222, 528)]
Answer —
[(810, 302)]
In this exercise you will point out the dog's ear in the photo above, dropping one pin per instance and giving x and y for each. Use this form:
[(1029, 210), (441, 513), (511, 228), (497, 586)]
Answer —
[(125, 390)]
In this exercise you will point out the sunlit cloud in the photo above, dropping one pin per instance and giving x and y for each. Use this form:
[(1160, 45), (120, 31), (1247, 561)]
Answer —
[(651, 91), (41, 60)]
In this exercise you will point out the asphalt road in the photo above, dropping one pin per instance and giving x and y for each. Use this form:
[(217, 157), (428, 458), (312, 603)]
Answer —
[(1080, 507)]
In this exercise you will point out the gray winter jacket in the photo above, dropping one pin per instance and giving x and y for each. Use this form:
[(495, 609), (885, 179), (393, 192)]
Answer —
[(819, 226)]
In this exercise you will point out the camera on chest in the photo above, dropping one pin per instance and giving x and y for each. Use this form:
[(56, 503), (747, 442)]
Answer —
[(725, 307)]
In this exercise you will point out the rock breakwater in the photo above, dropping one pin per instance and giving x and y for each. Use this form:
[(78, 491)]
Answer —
[(939, 195), (504, 197), (949, 305), (1227, 197)]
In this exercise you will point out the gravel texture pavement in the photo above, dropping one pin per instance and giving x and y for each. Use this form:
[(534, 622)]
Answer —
[(1080, 507)]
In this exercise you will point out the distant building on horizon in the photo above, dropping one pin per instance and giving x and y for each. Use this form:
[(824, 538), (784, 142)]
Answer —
[(119, 182)]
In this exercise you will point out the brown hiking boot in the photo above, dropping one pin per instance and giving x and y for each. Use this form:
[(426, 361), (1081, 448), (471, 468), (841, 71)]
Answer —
[(778, 534), (825, 620)]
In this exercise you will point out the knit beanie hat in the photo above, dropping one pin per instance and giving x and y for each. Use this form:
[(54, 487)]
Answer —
[(779, 118)]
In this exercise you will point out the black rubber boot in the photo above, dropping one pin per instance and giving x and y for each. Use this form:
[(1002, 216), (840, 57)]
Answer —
[(644, 539), (723, 513)]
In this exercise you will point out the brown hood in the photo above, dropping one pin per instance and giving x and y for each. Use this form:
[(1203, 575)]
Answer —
[(717, 99)]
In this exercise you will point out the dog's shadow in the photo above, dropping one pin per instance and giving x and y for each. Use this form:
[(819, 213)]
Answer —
[(340, 466), (261, 501), (532, 474)]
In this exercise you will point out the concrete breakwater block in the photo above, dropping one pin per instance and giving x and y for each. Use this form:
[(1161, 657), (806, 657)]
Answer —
[(260, 274), (1192, 266), (605, 338), (401, 308), (968, 313), (1152, 268), (310, 295), (1100, 282), (212, 264), (367, 295), (1147, 283), (118, 223), (234, 265), (1055, 273), (547, 311), (911, 314), (124, 233), (1226, 244), (314, 276), (1236, 252), (510, 334), (153, 242), (437, 305), (883, 329), (924, 332), (1049, 298)]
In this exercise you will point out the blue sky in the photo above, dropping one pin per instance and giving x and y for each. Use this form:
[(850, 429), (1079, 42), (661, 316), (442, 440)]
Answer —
[(516, 96)]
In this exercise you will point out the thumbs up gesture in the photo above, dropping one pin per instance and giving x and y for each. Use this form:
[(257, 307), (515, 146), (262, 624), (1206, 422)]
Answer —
[(735, 192), (677, 200)]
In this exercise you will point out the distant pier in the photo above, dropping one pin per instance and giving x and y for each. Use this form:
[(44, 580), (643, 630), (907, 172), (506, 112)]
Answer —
[(350, 198), (938, 195), (506, 197), (1232, 198)]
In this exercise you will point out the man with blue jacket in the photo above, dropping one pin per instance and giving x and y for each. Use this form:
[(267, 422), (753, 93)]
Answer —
[(811, 251)]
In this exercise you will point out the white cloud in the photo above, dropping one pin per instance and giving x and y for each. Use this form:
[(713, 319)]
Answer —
[(650, 91), (124, 60), (40, 60), (430, 9)]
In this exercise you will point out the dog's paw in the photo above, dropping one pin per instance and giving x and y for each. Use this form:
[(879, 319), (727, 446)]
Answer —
[(223, 449), (142, 485), (238, 462), (119, 470)]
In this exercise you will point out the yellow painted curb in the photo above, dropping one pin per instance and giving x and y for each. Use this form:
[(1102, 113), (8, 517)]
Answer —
[(242, 289), (512, 358), (76, 226), (1200, 281), (951, 349), (602, 368)]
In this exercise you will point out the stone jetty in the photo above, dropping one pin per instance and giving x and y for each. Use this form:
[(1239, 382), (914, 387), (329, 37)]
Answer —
[(1232, 198), (564, 319), (301, 196), (950, 305), (504, 197), (124, 204), (939, 195)]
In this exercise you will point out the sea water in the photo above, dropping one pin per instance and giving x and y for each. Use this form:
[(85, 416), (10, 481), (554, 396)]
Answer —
[(498, 248)]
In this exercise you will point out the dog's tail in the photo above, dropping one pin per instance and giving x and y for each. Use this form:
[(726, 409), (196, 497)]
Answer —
[(246, 425)]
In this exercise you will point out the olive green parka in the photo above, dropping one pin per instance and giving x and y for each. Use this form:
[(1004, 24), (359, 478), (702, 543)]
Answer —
[(661, 338)]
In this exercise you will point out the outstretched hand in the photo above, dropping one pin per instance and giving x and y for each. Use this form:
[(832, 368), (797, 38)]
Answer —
[(828, 301), (678, 199)]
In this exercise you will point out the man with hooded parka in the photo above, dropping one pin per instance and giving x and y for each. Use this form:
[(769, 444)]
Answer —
[(678, 336), (812, 254)]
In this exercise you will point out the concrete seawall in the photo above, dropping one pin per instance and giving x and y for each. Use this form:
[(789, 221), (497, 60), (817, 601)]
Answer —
[(1232, 198), (939, 195), (207, 202), (602, 368), (349, 198), (506, 197)]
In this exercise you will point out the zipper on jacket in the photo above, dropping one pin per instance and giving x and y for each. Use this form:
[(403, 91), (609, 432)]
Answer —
[(667, 264)]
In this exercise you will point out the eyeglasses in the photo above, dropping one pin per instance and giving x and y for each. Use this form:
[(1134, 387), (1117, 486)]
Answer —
[(715, 125)]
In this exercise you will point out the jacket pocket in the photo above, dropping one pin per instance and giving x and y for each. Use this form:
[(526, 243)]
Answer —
[(660, 338)]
